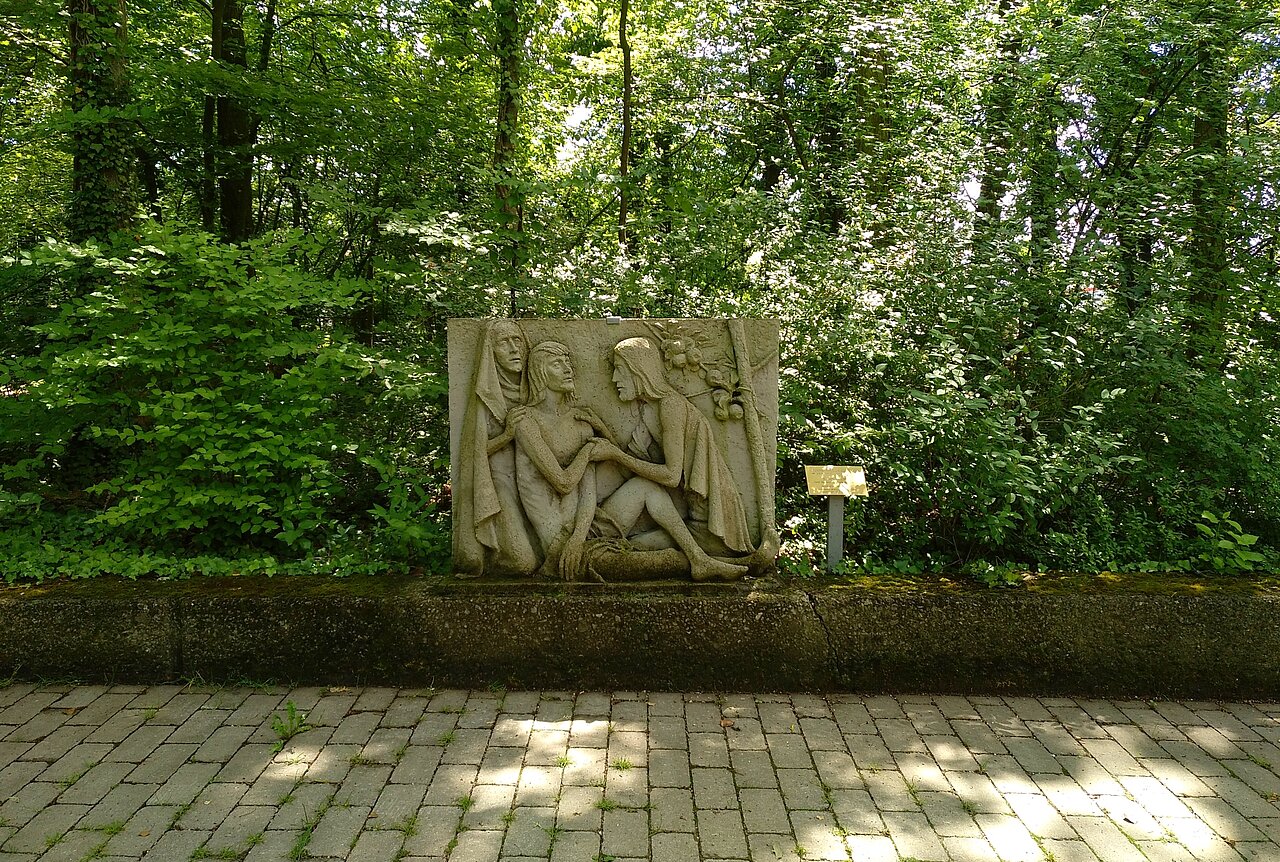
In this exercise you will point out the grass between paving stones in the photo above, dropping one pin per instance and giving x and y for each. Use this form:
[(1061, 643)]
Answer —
[(299, 849)]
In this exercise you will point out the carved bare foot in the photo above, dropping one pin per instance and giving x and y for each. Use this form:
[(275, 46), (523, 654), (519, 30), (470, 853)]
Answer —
[(709, 569)]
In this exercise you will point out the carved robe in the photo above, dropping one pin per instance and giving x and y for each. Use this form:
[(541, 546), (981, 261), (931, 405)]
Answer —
[(490, 534)]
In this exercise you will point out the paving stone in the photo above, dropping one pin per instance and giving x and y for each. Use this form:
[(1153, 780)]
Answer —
[(1105, 839), (538, 786), (94, 784), (579, 809), (899, 734), (363, 785), (119, 804), (185, 784), (704, 717), (971, 849), (625, 833), (947, 815), (212, 805), (666, 769), (856, 812), (869, 752), (274, 846), (1039, 816), (818, 834), (674, 847), (1075, 850), (176, 845), (979, 792), (837, 769), (1202, 841), (512, 731), (575, 846), (57, 743), (377, 846), (802, 788), (146, 827), (222, 744), (755, 769), (708, 749), (302, 807), (913, 836), (628, 787), (921, 772), (489, 804), (588, 765), (27, 800), (714, 788), (53, 821), (337, 830), (721, 834), (1032, 756), (529, 832), (417, 765), (890, 792), (763, 810), (872, 848), (1067, 796), (241, 827), (853, 717), (160, 765)]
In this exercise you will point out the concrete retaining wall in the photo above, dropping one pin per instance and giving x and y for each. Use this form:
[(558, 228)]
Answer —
[(413, 632)]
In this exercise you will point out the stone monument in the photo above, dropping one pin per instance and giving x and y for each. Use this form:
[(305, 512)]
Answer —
[(613, 450)]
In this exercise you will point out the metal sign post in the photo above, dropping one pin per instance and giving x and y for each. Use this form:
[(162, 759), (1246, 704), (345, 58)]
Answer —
[(836, 483)]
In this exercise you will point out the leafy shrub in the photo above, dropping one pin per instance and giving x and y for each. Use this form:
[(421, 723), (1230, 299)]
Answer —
[(198, 395)]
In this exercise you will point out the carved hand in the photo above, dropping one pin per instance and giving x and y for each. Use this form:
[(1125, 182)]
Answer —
[(603, 450)]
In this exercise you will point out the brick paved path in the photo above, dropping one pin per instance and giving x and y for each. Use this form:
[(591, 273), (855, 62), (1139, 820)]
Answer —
[(172, 773)]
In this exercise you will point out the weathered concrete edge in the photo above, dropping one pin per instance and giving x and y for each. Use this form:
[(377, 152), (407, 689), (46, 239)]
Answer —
[(1129, 645)]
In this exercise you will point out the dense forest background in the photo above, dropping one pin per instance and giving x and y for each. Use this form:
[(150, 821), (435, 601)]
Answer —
[(1024, 255)]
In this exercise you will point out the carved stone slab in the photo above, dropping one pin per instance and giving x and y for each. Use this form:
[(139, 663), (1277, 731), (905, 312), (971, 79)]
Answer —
[(608, 451)]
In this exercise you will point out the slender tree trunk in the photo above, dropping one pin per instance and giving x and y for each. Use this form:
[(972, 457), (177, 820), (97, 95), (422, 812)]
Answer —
[(1210, 193), (624, 157), (102, 193), (208, 155), (997, 143), (235, 129), (829, 157), (509, 49)]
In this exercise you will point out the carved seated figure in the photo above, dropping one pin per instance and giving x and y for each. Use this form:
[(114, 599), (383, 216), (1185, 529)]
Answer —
[(673, 454), (553, 456)]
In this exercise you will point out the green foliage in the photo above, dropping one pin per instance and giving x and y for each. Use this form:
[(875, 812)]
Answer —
[(1023, 256), (201, 396)]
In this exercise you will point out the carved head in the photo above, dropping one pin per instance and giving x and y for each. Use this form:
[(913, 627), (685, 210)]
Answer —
[(550, 369), (637, 370), (508, 346)]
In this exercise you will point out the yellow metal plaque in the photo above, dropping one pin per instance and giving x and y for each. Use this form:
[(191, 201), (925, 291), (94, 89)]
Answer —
[(836, 481)]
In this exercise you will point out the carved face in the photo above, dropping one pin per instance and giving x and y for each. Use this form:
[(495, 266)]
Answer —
[(559, 374), (508, 350), (624, 380)]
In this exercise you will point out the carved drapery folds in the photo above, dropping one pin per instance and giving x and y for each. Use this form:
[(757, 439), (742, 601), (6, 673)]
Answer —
[(589, 450)]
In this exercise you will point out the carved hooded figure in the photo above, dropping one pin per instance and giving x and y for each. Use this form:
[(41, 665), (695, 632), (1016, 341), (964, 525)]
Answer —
[(490, 533)]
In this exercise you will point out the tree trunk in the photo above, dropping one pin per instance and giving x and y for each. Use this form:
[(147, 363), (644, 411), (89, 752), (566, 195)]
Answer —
[(1210, 193), (997, 140), (509, 49), (102, 193), (624, 157), (235, 128)]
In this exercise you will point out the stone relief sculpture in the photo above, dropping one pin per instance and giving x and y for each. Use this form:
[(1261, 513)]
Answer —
[(668, 472)]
